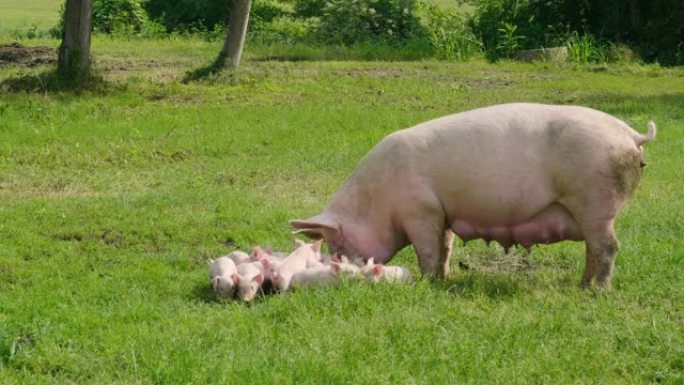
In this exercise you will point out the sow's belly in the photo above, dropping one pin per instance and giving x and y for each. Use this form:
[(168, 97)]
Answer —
[(552, 224)]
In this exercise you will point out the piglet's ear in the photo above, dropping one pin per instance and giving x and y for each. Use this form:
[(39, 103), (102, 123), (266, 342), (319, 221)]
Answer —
[(259, 278), (298, 243), (316, 227), (258, 253), (317, 246), (236, 278), (377, 270), (335, 267), (370, 262)]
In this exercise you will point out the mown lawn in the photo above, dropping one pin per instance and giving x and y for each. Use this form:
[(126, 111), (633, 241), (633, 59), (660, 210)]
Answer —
[(112, 201)]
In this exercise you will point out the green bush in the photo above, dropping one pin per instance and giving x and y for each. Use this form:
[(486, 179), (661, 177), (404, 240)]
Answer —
[(110, 16), (287, 30), (113, 15), (584, 49), (449, 34), (653, 28), (184, 15), (208, 15), (509, 40), (354, 21), (507, 25)]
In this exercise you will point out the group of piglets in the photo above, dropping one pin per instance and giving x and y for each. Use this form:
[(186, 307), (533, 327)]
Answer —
[(242, 276)]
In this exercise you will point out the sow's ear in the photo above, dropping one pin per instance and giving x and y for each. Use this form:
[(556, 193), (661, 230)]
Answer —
[(319, 226)]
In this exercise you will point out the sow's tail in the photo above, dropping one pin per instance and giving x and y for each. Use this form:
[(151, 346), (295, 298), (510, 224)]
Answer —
[(650, 135)]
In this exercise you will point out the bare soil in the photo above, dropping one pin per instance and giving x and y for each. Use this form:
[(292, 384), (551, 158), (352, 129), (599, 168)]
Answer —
[(16, 53)]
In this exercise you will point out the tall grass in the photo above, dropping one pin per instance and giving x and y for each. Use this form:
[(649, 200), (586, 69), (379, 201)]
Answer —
[(584, 49)]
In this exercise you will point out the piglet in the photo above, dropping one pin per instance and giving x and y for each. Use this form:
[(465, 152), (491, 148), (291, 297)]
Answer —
[(248, 279), (259, 254), (375, 272), (239, 257), (221, 273), (306, 255), (323, 275)]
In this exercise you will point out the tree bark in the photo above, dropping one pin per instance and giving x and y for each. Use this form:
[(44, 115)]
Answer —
[(235, 37), (635, 14), (74, 53)]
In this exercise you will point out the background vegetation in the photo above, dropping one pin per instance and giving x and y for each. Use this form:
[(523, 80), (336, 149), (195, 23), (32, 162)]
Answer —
[(457, 30)]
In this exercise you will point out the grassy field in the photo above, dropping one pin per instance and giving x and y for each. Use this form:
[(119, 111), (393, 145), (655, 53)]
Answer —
[(26, 14), (112, 201)]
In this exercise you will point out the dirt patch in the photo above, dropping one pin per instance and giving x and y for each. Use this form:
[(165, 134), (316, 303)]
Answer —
[(494, 261), (16, 53)]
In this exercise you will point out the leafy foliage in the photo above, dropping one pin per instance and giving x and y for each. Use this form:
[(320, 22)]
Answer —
[(653, 28), (509, 39), (351, 21), (112, 15), (450, 35), (584, 49), (207, 15)]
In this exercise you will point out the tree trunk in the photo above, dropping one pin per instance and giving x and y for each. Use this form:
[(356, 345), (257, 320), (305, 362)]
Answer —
[(235, 37), (635, 14), (74, 53)]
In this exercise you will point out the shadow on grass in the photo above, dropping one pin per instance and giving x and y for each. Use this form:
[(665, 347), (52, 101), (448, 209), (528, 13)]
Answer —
[(285, 58), (213, 72), (635, 104), (54, 81), (493, 285), (204, 293)]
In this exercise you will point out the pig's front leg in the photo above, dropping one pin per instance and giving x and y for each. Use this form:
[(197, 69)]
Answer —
[(432, 244), (444, 257)]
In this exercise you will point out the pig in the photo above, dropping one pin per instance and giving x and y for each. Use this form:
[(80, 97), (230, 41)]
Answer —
[(323, 275), (518, 174), (305, 255), (248, 279), (221, 273), (375, 272)]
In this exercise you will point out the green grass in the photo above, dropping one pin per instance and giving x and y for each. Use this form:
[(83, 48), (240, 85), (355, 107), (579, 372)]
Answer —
[(19, 15), (112, 201)]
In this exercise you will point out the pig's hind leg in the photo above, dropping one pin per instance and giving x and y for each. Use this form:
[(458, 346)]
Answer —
[(602, 247), (596, 218)]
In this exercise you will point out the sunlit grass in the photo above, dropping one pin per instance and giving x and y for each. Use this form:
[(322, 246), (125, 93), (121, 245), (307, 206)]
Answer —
[(112, 201)]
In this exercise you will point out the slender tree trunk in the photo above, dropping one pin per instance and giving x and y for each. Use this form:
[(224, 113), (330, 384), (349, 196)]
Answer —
[(235, 37), (635, 14), (74, 53)]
